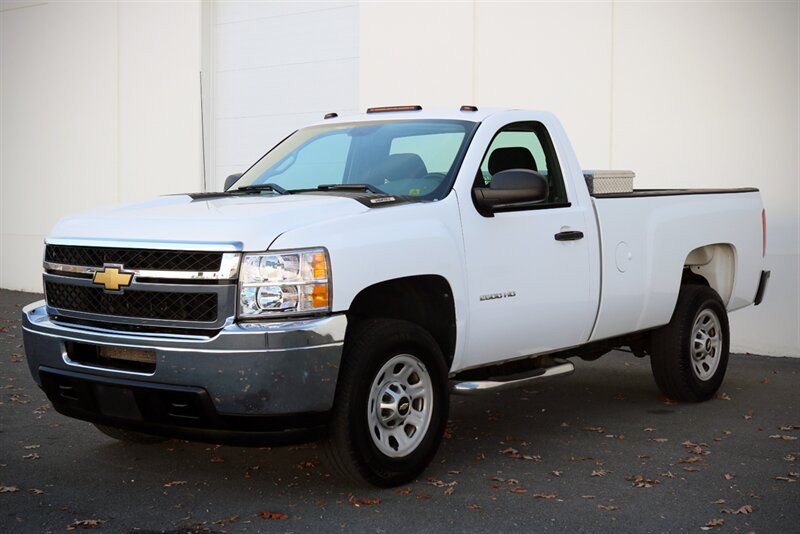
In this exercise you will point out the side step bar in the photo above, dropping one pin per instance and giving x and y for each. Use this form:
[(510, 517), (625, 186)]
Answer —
[(471, 387)]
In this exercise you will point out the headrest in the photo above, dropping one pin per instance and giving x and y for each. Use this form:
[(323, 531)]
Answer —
[(400, 167), (515, 157)]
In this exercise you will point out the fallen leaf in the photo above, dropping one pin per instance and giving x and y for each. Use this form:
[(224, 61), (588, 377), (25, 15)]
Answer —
[(791, 457), (556, 473), (728, 476), (474, 506), (450, 490), (716, 522), (746, 509), (722, 396), (362, 502), (786, 479), (31, 456), (31, 446), (175, 483), (423, 496), (403, 491), (765, 380), (217, 459), (305, 465), (666, 474), (518, 489), (580, 458), (36, 491), (649, 429), (719, 501), (226, 521), (587, 496), (598, 429), (273, 515), (8, 489), (601, 472), (783, 437), (85, 523), (659, 440), (641, 481), (691, 469), (608, 508), (546, 496), (690, 460)]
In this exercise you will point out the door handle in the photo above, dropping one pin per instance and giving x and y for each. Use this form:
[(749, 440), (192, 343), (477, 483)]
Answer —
[(572, 235)]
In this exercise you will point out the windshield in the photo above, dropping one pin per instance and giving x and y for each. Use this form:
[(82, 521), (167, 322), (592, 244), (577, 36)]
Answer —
[(416, 158)]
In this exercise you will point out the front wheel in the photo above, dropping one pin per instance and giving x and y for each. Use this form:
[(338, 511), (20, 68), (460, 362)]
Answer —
[(689, 356), (391, 403)]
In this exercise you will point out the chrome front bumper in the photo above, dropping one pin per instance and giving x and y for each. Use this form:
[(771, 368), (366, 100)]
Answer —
[(248, 369)]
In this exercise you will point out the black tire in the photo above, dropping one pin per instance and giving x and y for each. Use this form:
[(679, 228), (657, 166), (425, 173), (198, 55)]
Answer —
[(351, 450), (678, 374), (129, 436)]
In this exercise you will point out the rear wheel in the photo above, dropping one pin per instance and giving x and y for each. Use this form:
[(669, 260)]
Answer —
[(391, 403), (689, 356), (129, 435)]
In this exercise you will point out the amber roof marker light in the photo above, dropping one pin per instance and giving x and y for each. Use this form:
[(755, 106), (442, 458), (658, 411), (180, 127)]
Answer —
[(468, 108), (394, 108)]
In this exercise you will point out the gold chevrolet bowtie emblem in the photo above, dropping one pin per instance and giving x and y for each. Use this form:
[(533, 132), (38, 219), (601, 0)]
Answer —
[(112, 278)]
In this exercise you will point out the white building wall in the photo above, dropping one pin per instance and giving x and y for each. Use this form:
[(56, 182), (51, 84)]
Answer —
[(275, 66), (100, 101), (99, 104), (687, 94)]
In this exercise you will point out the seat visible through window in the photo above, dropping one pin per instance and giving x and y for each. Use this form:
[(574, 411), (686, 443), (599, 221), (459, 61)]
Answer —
[(515, 157)]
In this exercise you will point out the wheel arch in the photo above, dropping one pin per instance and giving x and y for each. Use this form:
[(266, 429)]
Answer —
[(426, 300), (714, 266)]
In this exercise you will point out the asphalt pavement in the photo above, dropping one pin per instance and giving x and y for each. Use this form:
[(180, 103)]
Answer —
[(598, 451)]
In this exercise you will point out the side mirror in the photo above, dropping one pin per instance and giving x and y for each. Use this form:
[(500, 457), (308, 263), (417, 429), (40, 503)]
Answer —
[(230, 180), (513, 188)]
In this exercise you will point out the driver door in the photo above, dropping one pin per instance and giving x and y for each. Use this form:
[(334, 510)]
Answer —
[(529, 291)]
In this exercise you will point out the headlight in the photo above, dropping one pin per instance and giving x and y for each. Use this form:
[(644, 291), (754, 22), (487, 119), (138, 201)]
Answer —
[(284, 283)]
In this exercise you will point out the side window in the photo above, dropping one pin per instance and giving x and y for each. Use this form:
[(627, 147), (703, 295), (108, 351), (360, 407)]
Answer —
[(524, 145), (321, 161)]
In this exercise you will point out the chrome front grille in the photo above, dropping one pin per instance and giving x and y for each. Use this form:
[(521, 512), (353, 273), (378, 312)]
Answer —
[(181, 289), (139, 259)]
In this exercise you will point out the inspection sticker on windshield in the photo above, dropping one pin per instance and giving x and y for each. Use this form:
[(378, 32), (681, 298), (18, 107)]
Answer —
[(381, 200)]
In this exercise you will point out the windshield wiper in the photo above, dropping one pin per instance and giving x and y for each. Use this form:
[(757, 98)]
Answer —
[(264, 187), (351, 187)]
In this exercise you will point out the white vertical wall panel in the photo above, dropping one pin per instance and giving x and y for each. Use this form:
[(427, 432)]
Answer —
[(687, 94), (416, 53), (100, 104), (552, 56), (706, 95), (159, 100), (59, 125), (276, 66)]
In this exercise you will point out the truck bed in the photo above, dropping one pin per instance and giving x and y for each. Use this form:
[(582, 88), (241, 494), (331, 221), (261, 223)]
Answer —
[(644, 245)]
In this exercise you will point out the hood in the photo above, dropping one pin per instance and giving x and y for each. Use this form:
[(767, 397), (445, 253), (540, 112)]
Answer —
[(252, 221)]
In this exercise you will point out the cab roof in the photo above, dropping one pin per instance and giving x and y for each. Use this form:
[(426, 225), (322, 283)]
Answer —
[(465, 113)]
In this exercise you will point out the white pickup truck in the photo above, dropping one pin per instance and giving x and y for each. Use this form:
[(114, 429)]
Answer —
[(368, 266)]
